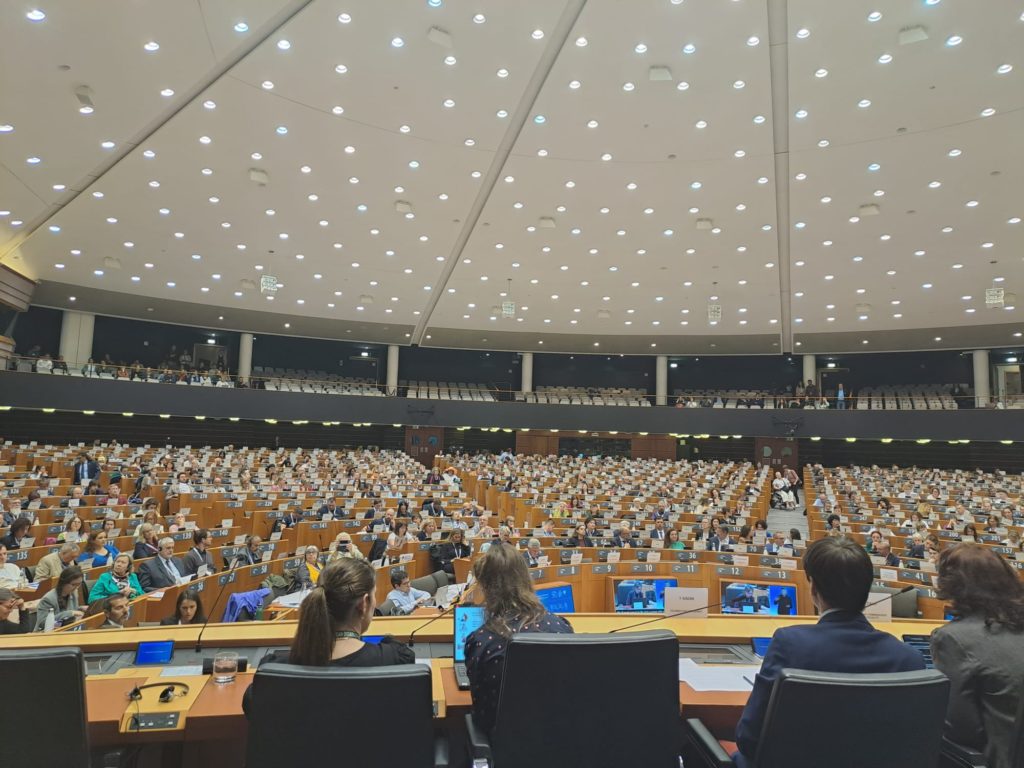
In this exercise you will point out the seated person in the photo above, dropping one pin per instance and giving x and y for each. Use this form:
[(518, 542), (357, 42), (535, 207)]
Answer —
[(251, 554), (61, 604), (344, 548), (406, 597), (453, 549), (97, 550), (777, 543), (622, 537), (332, 621), (659, 532), (331, 508), (119, 580), (18, 531), (532, 555), (199, 555), (148, 543), (427, 531), (10, 602), (11, 576), (115, 608), (982, 652), (511, 606), (161, 571), (50, 566), (308, 572), (187, 610), (884, 550), (840, 576), (580, 537)]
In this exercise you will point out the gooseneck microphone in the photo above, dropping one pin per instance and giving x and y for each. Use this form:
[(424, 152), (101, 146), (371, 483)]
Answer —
[(199, 640), (664, 618), (445, 612)]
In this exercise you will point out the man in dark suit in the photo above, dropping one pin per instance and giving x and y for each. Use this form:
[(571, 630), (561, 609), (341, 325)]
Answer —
[(622, 538), (840, 575), (658, 533), (885, 550), (331, 508), (163, 570), (374, 512), (85, 470), (533, 553)]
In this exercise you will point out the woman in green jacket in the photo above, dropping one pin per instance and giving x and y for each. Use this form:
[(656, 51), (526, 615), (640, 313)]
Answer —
[(119, 580)]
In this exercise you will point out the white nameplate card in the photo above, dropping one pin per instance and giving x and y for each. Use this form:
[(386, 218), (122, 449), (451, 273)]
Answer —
[(679, 599), (878, 609), (613, 557)]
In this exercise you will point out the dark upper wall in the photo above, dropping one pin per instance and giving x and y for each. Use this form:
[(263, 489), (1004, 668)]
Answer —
[(340, 357), (899, 368), (38, 327), (749, 372), (593, 371), (149, 343), (429, 364)]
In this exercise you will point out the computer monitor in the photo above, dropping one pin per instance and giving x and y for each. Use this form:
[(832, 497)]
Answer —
[(641, 595), (557, 599), (904, 604), (154, 652), (757, 598), (467, 619)]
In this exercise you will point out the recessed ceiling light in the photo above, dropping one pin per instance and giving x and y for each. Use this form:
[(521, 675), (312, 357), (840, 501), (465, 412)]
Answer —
[(753, 40), (739, 85), (689, 48), (822, 72), (241, 27), (758, 119), (479, 18), (397, 42), (803, 33), (341, 69), (628, 86), (954, 40), (885, 58), (152, 46), (987, 112), (864, 103), (281, 130), (502, 72), (874, 16), (701, 124), (682, 85)]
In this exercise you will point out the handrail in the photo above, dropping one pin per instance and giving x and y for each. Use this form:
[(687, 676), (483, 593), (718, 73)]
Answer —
[(882, 397)]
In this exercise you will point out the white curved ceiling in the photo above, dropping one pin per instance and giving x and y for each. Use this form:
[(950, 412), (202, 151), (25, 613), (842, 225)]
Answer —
[(578, 149)]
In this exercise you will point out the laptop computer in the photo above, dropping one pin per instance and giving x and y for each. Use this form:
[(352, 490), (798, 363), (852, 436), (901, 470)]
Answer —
[(467, 619)]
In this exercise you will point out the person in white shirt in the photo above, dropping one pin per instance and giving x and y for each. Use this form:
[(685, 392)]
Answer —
[(405, 597), (44, 364), (11, 576)]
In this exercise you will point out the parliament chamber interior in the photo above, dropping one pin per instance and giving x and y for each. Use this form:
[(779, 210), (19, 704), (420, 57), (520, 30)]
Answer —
[(564, 383)]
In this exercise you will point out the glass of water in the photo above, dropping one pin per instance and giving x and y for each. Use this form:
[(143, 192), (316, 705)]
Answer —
[(225, 667)]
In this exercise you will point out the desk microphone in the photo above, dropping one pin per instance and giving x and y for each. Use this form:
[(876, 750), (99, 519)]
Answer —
[(664, 618), (891, 595), (449, 609), (199, 640)]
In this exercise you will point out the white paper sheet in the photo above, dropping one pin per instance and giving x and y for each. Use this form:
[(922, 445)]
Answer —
[(702, 677)]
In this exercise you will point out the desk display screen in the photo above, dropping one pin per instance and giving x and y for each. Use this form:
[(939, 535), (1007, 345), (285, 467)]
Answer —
[(467, 619), (154, 652), (639, 595), (372, 639), (557, 599), (923, 645), (758, 599), (759, 645)]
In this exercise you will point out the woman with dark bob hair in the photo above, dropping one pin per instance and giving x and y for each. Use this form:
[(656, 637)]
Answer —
[(982, 650)]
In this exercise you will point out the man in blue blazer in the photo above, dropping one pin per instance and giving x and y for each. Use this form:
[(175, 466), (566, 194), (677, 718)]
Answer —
[(85, 470), (839, 573)]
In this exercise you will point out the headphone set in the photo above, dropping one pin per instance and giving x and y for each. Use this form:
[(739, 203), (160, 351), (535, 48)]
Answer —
[(166, 695)]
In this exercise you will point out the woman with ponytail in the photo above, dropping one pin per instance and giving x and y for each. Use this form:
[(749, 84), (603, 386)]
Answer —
[(332, 620)]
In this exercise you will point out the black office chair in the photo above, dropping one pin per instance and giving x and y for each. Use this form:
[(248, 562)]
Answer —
[(50, 680), (385, 608), (343, 715), (590, 708), (958, 756), (817, 718)]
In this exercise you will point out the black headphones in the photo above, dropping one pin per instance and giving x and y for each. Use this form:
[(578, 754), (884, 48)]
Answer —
[(166, 695)]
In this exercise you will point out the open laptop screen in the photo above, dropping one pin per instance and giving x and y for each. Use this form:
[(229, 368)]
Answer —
[(467, 619)]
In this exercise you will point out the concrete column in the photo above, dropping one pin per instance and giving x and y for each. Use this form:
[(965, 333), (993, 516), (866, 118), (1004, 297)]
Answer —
[(982, 388), (245, 356), (527, 371), (810, 369), (76, 337), (391, 381), (661, 380)]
